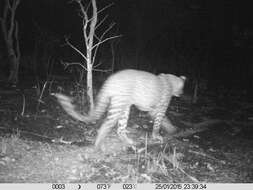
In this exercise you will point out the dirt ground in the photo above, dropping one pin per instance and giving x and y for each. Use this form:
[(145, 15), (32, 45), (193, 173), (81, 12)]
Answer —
[(39, 142)]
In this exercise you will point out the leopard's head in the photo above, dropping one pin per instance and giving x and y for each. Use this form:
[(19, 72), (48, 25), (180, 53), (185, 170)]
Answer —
[(177, 84)]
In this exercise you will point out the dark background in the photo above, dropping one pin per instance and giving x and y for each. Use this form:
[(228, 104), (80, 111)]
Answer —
[(206, 40)]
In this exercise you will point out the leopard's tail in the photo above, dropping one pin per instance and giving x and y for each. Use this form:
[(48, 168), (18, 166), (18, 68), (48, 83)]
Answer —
[(95, 114)]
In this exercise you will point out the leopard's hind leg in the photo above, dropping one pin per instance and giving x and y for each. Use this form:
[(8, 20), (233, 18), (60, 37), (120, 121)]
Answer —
[(111, 120), (168, 126), (122, 125), (118, 113), (158, 118)]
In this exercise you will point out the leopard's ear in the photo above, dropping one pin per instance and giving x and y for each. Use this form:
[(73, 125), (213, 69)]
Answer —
[(183, 78)]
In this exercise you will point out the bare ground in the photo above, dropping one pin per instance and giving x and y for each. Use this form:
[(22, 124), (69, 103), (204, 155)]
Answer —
[(40, 143)]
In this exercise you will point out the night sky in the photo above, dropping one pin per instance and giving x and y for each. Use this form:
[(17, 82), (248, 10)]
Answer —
[(202, 39)]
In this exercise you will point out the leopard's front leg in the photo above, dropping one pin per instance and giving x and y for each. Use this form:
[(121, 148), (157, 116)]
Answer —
[(156, 127)]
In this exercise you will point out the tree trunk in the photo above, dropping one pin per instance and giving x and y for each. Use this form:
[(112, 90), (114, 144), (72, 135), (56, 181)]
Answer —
[(195, 92), (90, 86), (14, 68), (10, 35)]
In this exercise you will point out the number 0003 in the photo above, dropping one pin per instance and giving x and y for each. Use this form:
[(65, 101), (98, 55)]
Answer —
[(58, 186)]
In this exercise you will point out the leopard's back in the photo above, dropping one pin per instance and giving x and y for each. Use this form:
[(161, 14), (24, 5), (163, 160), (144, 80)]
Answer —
[(134, 87)]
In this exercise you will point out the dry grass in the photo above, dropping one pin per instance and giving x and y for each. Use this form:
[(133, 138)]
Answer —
[(32, 161), (29, 161)]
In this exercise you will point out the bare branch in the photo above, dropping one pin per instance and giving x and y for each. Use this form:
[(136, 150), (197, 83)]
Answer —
[(93, 23), (84, 31), (4, 19), (97, 44), (13, 12), (107, 30), (84, 12), (106, 7), (88, 6), (100, 70), (66, 64), (96, 48), (101, 22), (17, 41), (95, 54), (100, 39), (96, 37), (102, 10), (76, 49), (97, 65), (85, 21)]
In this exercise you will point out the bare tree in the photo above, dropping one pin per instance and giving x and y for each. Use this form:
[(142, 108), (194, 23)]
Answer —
[(92, 42), (9, 28)]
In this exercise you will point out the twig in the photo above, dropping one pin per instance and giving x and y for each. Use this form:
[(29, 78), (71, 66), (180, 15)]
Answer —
[(106, 7), (100, 40), (40, 99), (146, 145), (108, 29), (88, 6), (208, 156), (97, 65), (101, 22), (101, 10), (77, 50), (23, 107), (100, 70), (85, 22), (66, 64), (196, 127), (44, 86), (97, 44), (195, 180)]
